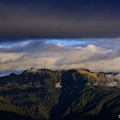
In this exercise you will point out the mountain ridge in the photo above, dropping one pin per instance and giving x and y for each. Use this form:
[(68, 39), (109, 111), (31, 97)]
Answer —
[(43, 94)]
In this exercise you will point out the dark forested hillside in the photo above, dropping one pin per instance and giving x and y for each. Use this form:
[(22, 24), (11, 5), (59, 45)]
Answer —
[(42, 94)]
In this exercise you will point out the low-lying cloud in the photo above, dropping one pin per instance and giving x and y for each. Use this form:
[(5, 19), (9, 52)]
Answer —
[(113, 80)]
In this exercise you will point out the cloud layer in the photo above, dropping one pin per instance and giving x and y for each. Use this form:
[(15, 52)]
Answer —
[(61, 54)]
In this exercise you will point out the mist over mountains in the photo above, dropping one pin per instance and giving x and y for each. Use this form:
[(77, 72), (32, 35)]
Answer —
[(42, 94)]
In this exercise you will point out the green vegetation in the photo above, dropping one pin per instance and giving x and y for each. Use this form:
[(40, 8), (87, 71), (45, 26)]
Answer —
[(33, 93)]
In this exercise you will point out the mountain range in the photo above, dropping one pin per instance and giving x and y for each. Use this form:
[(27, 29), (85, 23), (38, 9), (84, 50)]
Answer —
[(43, 94)]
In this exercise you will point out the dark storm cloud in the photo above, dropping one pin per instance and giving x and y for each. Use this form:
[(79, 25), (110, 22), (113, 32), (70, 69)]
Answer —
[(59, 19)]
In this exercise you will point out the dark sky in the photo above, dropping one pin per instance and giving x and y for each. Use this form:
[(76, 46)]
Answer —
[(59, 18)]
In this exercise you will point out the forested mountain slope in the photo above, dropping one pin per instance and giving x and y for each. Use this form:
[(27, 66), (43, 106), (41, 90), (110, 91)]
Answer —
[(42, 94)]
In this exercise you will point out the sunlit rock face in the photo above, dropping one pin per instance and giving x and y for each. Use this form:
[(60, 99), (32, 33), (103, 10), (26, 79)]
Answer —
[(58, 85)]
